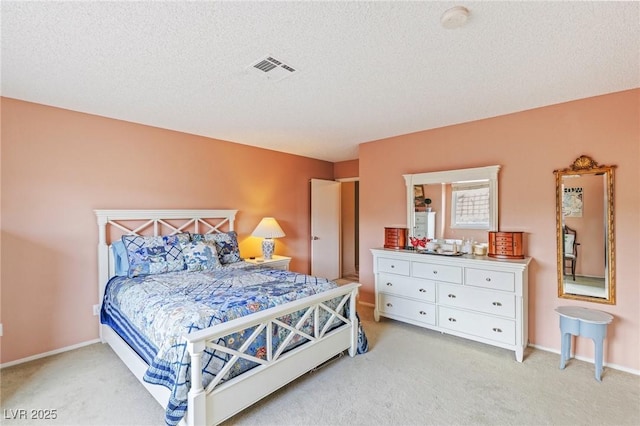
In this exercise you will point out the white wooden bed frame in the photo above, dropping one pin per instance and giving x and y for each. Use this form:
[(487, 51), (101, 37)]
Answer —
[(219, 401)]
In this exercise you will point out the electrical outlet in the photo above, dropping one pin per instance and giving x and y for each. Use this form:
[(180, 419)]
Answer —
[(1, 330), (96, 310)]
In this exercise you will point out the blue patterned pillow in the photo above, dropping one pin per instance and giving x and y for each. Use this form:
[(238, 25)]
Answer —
[(226, 245), (154, 255), (200, 255)]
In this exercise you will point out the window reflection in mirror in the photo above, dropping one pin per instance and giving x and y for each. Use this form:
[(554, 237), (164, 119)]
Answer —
[(470, 205)]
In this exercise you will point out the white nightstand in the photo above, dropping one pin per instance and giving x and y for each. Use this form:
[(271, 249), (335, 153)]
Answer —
[(276, 262)]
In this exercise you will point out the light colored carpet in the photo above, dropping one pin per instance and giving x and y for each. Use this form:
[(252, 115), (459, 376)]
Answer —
[(589, 281), (589, 286), (410, 376)]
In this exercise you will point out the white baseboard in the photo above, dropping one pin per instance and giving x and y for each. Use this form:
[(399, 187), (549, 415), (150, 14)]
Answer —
[(46, 354), (590, 360)]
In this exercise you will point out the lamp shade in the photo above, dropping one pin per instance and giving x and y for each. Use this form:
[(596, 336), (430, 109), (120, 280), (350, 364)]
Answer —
[(268, 228)]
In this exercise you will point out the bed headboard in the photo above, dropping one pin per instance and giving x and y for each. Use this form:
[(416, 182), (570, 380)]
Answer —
[(114, 223)]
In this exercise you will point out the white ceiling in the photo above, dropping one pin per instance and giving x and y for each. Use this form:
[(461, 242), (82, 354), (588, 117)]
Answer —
[(366, 70)]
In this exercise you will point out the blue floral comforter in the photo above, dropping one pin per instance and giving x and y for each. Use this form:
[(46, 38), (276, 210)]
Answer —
[(153, 313)]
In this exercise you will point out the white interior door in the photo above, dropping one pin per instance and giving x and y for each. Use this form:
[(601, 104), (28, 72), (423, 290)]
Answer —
[(325, 228)]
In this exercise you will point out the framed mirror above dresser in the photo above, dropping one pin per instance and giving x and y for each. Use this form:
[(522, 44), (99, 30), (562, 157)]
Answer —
[(462, 202)]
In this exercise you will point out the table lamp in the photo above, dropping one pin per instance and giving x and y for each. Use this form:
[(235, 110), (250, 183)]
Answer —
[(268, 229)]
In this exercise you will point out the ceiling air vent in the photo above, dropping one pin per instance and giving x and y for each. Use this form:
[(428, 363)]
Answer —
[(272, 69)]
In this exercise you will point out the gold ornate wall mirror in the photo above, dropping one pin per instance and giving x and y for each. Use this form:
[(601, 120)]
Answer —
[(585, 231)]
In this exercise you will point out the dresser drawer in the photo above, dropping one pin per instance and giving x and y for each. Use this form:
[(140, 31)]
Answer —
[(410, 309), (436, 272), (495, 280), (394, 266), (490, 302), (410, 287), (485, 326)]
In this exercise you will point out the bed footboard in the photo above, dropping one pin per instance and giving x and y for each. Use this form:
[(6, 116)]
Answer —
[(221, 400)]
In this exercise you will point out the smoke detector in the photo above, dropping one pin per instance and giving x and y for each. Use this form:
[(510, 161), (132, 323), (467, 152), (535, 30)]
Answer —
[(272, 68), (455, 17)]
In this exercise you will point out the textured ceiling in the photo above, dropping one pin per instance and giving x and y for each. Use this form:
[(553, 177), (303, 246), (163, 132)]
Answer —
[(365, 70)]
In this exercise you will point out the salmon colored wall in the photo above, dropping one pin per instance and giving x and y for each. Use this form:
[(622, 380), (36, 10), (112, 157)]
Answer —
[(345, 169), (59, 165), (1, 228), (529, 146), (348, 227)]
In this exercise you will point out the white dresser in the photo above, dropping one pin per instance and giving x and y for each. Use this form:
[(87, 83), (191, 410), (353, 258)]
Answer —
[(475, 297)]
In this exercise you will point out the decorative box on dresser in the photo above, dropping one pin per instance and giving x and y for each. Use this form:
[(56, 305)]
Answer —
[(506, 245), (474, 297), (395, 237)]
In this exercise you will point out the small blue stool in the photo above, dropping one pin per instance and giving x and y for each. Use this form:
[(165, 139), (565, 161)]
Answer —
[(587, 323)]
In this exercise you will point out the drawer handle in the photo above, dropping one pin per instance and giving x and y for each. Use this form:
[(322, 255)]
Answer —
[(389, 305), (451, 296), (423, 313), (393, 266), (497, 330), (390, 285), (488, 279), (497, 304), (435, 272), (422, 290), (452, 319)]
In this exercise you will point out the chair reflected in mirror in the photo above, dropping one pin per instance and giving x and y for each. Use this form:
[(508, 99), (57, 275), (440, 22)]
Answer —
[(570, 249)]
